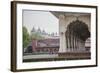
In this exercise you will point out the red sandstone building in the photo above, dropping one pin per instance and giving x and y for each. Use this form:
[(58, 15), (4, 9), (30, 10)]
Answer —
[(45, 46), (48, 46)]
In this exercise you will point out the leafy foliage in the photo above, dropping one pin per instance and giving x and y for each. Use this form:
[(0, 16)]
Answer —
[(26, 37)]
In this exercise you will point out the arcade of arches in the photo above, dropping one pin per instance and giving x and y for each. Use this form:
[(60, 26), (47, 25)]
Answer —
[(74, 29), (76, 34)]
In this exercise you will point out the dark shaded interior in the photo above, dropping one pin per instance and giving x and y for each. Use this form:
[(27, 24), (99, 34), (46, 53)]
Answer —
[(79, 29)]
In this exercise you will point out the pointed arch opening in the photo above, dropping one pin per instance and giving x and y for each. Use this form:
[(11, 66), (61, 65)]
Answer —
[(76, 34)]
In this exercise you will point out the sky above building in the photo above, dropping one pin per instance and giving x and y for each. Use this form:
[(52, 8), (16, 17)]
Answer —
[(44, 20)]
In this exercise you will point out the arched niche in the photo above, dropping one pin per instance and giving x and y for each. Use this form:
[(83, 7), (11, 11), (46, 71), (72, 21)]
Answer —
[(76, 34)]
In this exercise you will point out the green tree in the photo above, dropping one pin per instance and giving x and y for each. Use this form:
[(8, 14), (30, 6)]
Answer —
[(26, 37)]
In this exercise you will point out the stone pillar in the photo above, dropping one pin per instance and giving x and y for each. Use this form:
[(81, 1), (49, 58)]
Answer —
[(62, 24), (77, 43), (74, 43), (83, 45), (80, 45), (68, 43), (71, 42)]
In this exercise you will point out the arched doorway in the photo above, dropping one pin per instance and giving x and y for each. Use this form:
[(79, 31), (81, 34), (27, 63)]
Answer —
[(76, 34)]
